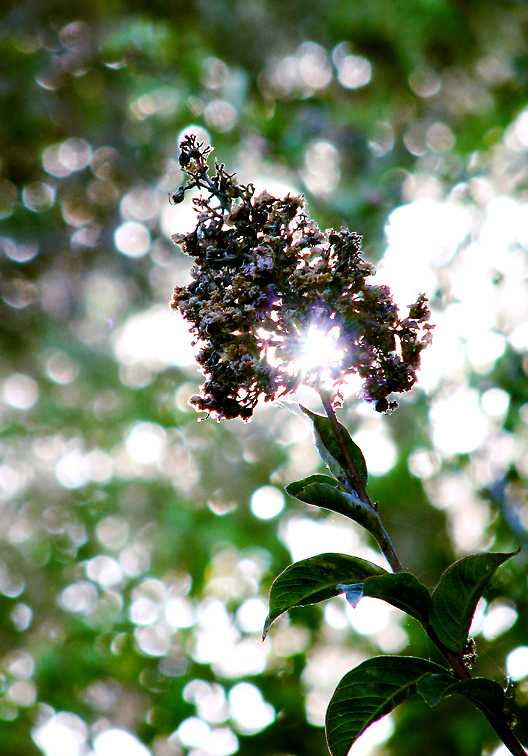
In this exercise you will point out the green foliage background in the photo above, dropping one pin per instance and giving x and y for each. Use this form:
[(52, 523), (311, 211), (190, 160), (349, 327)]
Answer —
[(128, 79)]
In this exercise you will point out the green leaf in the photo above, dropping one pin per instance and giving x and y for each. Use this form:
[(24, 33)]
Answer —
[(456, 596), (367, 693), (297, 486), (315, 579), (487, 695), (325, 492), (402, 590), (331, 453), (432, 686)]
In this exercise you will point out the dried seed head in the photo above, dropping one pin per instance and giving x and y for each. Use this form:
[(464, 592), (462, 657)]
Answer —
[(264, 275)]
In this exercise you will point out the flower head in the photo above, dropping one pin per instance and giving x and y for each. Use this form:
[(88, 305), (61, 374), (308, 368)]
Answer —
[(264, 275)]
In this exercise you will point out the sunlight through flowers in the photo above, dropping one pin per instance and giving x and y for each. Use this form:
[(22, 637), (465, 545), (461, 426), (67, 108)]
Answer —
[(275, 303), (320, 352)]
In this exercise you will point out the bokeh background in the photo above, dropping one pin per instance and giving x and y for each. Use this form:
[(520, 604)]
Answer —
[(137, 545)]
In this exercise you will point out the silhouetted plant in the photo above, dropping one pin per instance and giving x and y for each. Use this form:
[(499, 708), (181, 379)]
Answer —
[(264, 275)]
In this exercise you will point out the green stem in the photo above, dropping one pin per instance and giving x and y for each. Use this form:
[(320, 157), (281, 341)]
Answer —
[(457, 664), (384, 540)]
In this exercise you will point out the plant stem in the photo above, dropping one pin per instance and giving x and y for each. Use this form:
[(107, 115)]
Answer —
[(506, 735), (457, 664), (501, 727), (384, 541)]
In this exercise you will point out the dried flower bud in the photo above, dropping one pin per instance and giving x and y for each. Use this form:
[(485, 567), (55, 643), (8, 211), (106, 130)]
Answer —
[(178, 196)]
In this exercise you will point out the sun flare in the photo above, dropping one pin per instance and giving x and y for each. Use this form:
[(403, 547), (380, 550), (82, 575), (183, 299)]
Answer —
[(320, 350), (316, 357)]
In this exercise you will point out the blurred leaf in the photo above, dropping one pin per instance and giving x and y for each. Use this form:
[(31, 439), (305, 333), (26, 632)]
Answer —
[(367, 693), (315, 579), (455, 598)]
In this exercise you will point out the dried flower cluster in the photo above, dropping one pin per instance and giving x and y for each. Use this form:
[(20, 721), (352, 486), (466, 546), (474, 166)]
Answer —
[(264, 274)]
